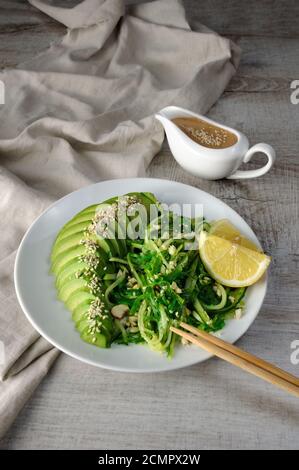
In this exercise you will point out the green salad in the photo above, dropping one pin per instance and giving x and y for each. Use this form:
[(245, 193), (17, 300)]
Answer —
[(126, 279)]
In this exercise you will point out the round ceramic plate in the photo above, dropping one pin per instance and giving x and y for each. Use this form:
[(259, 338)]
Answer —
[(37, 295)]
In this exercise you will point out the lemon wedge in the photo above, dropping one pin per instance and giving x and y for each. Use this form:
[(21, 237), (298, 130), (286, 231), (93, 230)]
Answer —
[(224, 229), (230, 263)]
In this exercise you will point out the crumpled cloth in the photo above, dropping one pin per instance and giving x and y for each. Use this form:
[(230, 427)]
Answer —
[(82, 112)]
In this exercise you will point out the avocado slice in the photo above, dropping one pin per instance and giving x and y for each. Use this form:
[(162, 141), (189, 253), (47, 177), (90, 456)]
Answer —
[(66, 257), (87, 218), (85, 214), (69, 272), (65, 244), (78, 298), (101, 340), (80, 227), (80, 311), (66, 265), (71, 288)]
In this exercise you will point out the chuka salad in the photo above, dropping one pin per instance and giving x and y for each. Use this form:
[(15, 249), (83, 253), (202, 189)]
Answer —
[(126, 288)]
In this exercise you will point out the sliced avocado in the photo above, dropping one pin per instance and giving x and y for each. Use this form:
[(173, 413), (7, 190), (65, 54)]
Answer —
[(65, 244), (69, 272), (80, 311), (87, 218), (145, 198), (150, 197), (109, 243), (111, 200), (103, 338), (66, 263), (80, 227), (78, 298), (100, 342), (116, 243), (85, 214), (66, 257), (71, 287), (88, 210), (82, 324)]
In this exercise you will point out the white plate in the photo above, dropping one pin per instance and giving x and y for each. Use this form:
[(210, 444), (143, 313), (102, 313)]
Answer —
[(37, 295)]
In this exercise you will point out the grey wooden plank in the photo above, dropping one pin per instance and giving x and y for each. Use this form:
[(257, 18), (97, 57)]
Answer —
[(211, 405), (258, 17), (275, 18), (24, 31)]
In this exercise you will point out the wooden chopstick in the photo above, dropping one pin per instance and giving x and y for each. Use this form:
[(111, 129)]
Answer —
[(245, 355), (239, 358)]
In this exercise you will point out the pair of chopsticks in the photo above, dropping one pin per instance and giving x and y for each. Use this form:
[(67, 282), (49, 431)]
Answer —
[(240, 358)]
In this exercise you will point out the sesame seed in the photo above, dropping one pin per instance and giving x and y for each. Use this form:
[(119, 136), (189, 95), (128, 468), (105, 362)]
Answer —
[(209, 137)]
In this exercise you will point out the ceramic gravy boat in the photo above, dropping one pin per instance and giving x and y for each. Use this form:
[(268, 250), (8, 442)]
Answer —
[(211, 163)]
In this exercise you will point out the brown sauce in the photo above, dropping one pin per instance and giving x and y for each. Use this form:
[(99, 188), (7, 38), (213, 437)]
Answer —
[(206, 134)]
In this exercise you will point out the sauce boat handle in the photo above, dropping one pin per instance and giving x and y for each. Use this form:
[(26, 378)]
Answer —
[(263, 148)]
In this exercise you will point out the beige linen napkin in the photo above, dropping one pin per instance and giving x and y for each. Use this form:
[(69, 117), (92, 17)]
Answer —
[(82, 112)]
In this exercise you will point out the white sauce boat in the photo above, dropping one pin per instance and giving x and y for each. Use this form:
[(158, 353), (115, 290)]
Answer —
[(211, 163)]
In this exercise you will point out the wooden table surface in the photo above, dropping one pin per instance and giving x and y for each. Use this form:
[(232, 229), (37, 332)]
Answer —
[(210, 405)]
